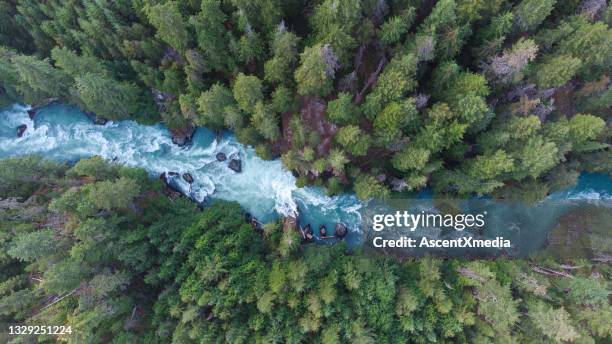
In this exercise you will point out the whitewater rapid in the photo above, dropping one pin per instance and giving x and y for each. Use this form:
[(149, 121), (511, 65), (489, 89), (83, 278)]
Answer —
[(264, 188)]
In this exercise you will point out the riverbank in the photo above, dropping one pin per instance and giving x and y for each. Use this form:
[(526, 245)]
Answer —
[(264, 188)]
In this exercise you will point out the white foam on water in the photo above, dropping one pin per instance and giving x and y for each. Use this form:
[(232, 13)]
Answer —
[(264, 188)]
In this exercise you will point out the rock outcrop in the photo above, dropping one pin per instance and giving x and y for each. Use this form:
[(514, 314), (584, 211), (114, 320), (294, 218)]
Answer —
[(235, 165), (341, 230), (221, 156), (21, 129), (322, 231), (168, 189), (183, 136), (96, 119), (188, 178), (308, 234), (99, 120)]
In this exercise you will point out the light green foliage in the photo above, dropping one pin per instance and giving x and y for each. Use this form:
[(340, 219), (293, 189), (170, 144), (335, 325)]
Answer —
[(113, 195), (247, 91), (76, 65), (342, 110), (535, 157), (367, 187), (530, 14), (187, 104), (516, 128), (211, 35), (233, 118), (491, 166), (586, 291), (337, 160), (20, 177), (170, 24), (590, 42), (249, 48), (496, 305), (315, 74), (212, 104), (394, 27), (396, 80), (94, 167), (411, 158), (107, 97), (283, 100), (554, 323), (482, 86), (266, 122), (289, 243), (389, 123), (334, 22), (308, 153), (38, 80), (492, 36), (468, 10), (464, 83), (584, 127), (557, 71), (32, 246), (284, 47), (207, 274), (442, 15), (262, 15), (353, 139)]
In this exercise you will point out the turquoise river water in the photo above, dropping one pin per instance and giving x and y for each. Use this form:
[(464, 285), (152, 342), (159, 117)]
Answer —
[(264, 188)]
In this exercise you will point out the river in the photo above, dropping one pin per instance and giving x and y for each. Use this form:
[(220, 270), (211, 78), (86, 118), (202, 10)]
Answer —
[(263, 188)]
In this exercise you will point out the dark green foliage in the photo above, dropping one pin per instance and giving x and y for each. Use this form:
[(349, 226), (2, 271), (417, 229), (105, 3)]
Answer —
[(170, 24), (383, 82), (107, 97), (86, 246), (143, 268), (20, 177)]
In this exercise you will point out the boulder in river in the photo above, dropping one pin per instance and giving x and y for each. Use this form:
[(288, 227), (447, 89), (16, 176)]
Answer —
[(235, 165), (341, 230), (221, 156), (188, 178), (322, 231), (96, 119), (99, 120), (32, 113), (308, 233), (183, 136), (169, 190), (21, 129)]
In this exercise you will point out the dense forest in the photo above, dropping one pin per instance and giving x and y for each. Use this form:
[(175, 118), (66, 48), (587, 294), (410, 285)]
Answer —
[(509, 98), (470, 97), (121, 259)]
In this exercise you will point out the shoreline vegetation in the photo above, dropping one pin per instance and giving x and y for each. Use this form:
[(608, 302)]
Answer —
[(503, 98), (508, 98), (101, 248)]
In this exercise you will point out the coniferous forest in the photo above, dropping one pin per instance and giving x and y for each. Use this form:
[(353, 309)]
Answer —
[(509, 99), (465, 96), (103, 249)]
